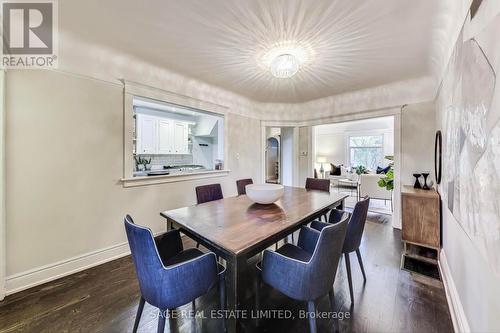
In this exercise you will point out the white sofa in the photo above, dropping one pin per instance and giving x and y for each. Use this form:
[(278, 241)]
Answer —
[(344, 174), (368, 186)]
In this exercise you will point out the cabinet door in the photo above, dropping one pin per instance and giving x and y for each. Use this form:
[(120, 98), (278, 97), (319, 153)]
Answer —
[(420, 221), (146, 135), (180, 138), (164, 136)]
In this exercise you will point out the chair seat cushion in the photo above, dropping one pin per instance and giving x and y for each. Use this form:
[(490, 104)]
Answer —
[(290, 251), (182, 257), (187, 255), (294, 252)]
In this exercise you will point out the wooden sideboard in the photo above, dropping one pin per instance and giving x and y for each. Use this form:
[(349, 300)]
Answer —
[(421, 217), (421, 232)]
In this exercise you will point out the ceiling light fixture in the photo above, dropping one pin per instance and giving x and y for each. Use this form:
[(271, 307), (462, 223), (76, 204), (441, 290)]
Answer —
[(284, 66), (284, 60)]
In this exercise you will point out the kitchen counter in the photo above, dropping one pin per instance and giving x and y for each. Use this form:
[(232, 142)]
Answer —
[(171, 170), (177, 176)]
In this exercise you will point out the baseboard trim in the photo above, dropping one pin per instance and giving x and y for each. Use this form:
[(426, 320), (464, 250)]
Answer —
[(37, 276), (34, 277), (460, 322)]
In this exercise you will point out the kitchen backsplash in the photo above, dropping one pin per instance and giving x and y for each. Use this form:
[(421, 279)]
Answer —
[(161, 160)]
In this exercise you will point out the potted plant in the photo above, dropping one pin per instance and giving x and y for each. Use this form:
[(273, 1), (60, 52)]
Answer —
[(387, 181), (147, 164), (360, 170), (142, 163)]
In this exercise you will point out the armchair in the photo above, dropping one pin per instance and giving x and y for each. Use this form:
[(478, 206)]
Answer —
[(307, 271), (168, 275), (368, 186)]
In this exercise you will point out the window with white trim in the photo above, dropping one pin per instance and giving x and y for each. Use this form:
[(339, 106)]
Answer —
[(366, 150)]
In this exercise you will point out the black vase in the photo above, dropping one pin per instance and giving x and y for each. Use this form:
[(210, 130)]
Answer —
[(425, 187), (417, 183)]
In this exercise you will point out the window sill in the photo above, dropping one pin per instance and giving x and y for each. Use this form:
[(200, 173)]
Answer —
[(179, 177)]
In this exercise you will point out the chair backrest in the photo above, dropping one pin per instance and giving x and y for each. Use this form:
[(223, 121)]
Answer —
[(147, 262), (208, 193), (318, 184), (240, 184), (326, 256), (356, 225)]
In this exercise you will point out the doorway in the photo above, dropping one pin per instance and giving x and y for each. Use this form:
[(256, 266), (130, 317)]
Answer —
[(273, 159), (358, 159)]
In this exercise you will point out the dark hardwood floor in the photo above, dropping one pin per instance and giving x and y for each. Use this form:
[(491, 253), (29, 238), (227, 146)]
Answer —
[(105, 299)]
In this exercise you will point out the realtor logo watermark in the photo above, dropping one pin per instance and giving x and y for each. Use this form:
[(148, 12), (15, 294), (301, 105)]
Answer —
[(29, 34)]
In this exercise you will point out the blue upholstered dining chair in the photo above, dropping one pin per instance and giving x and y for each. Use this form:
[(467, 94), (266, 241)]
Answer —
[(168, 275), (307, 271), (353, 237)]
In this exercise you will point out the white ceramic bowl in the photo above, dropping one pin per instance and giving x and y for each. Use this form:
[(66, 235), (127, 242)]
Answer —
[(264, 193)]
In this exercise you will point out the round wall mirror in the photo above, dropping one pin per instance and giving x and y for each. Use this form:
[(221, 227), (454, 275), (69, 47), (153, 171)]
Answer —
[(437, 157)]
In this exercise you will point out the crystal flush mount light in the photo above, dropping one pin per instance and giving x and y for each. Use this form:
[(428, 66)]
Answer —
[(284, 60), (284, 66)]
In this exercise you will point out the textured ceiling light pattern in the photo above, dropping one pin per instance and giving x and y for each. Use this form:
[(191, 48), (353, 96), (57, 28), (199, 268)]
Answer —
[(348, 44)]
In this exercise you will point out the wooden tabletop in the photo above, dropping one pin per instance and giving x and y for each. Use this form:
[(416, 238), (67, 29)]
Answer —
[(236, 224)]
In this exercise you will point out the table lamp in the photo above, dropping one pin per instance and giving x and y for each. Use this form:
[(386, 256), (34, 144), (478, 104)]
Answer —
[(321, 160)]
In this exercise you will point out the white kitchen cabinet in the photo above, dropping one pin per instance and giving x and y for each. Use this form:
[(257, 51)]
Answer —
[(146, 134), (161, 136), (180, 138), (165, 136)]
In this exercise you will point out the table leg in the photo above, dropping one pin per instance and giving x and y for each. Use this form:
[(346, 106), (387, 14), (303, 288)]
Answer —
[(341, 205), (235, 291)]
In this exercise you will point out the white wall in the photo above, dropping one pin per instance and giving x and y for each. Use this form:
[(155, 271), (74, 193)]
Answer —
[(287, 158), (418, 129), (331, 140), (305, 154), (472, 284), (64, 161)]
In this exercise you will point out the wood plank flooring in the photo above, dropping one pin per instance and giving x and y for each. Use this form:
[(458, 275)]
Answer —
[(105, 299)]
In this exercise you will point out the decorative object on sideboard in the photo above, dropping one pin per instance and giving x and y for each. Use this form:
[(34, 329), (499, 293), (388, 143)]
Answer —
[(437, 157), (425, 186), (417, 182)]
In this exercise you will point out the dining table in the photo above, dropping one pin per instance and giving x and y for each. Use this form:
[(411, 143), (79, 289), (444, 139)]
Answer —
[(236, 229)]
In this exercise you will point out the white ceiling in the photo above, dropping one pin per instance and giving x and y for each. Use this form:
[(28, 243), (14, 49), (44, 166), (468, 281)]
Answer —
[(357, 44)]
